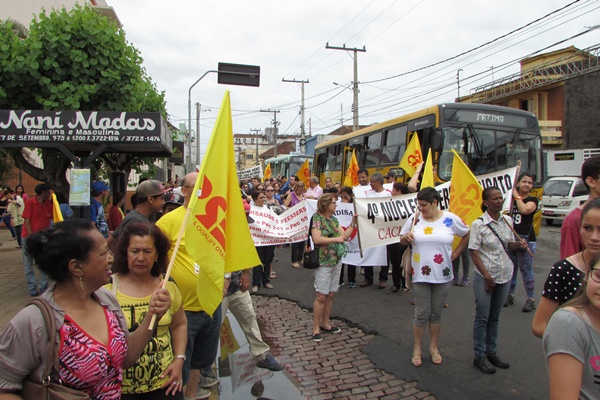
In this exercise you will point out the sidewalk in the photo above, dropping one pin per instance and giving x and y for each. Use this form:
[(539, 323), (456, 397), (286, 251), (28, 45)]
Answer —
[(336, 367)]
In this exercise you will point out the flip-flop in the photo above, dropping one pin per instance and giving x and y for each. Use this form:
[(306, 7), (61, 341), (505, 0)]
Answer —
[(416, 360), (273, 275), (436, 357)]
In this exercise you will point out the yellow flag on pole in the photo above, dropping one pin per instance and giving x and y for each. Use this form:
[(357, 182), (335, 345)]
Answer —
[(56, 213), (412, 156), (267, 173), (427, 180), (465, 191), (352, 173), (217, 235), (304, 173)]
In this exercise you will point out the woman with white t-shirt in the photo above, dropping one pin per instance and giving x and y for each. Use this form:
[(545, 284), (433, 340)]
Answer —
[(431, 236)]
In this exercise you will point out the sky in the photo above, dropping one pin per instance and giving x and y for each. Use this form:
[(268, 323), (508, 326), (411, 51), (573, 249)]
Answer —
[(180, 40)]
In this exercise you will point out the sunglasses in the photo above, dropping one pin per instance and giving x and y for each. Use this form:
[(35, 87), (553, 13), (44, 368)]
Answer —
[(269, 190)]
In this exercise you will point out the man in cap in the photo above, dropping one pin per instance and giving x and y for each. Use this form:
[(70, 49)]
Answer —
[(97, 215), (173, 201), (151, 198), (390, 177)]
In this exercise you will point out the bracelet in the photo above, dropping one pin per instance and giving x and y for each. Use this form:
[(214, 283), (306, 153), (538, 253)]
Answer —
[(181, 356), (518, 198)]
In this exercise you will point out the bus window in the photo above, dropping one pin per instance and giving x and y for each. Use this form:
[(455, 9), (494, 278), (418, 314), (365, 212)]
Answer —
[(394, 144), (372, 150)]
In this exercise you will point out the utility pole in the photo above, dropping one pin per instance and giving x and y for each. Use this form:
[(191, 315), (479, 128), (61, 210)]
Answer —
[(275, 124), (198, 135), (302, 130), (458, 83), (255, 131), (354, 83)]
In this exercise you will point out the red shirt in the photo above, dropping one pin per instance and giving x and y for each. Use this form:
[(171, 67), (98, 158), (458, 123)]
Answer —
[(39, 215), (570, 237)]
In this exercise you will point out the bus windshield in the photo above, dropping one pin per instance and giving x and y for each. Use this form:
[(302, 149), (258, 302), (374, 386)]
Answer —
[(489, 149)]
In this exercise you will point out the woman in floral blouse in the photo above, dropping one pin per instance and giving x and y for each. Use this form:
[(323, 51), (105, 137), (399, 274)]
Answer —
[(431, 236), (329, 238)]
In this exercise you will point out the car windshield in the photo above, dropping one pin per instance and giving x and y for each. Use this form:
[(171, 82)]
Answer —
[(557, 188)]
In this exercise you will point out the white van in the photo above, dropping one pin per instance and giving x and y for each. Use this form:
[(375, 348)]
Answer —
[(561, 196)]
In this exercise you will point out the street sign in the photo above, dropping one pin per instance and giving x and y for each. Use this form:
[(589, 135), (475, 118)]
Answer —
[(239, 74)]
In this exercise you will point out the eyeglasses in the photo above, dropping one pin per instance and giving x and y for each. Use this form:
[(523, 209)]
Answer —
[(260, 188), (595, 274)]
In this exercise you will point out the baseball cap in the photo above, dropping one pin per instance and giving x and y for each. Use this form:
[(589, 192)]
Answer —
[(174, 198), (99, 186), (150, 188)]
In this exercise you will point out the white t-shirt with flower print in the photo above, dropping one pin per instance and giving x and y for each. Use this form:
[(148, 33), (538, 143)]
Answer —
[(432, 247)]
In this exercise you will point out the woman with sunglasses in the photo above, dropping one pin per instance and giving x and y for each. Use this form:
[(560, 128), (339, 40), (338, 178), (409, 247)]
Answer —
[(566, 276), (572, 343)]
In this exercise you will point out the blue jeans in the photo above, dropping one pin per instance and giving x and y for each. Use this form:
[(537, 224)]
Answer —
[(488, 306), (203, 340), (28, 262), (523, 261), (8, 224)]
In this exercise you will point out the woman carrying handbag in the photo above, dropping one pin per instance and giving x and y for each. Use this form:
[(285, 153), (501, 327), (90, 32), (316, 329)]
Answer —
[(329, 238)]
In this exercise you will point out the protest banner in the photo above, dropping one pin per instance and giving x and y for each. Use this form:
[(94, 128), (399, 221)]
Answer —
[(269, 228)]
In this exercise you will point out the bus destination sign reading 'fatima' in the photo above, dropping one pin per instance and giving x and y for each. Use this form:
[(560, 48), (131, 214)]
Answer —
[(79, 126)]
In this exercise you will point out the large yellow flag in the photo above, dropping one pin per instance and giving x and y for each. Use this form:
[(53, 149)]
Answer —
[(465, 192), (304, 173), (427, 180), (56, 213), (267, 173), (352, 173), (217, 235), (412, 156)]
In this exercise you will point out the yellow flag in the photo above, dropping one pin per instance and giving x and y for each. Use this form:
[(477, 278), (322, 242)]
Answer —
[(427, 180), (56, 214), (412, 156), (352, 173), (267, 173), (304, 173), (465, 192), (217, 235)]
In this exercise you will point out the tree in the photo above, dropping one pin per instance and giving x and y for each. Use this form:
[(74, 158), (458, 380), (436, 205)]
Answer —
[(72, 60)]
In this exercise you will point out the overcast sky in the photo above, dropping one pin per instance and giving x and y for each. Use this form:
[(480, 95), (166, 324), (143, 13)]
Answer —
[(180, 40)]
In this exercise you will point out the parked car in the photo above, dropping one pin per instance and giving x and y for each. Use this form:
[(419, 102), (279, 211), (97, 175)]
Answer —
[(561, 196)]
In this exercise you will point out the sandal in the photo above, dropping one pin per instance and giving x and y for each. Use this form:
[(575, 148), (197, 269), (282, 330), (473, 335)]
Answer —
[(416, 359), (436, 357), (273, 275)]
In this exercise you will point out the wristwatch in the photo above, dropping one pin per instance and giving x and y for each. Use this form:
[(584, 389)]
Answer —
[(182, 356)]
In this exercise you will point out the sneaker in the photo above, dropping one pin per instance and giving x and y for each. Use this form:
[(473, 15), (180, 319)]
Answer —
[(207, 381), (362, 271), (268, 286), (317, 337), (269, 362), (510, 300), (295, 265), (404, 291), (497, 361), (341, 283), (455, 282), (333, 329), (482, 364), (464, 282), (351, 285), (529, 305), (254, 289), (202, 393)]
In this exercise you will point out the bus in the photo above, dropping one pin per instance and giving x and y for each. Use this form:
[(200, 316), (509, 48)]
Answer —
[(488, 138), (287, 165)]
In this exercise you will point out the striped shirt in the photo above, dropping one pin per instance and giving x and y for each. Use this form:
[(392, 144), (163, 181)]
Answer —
[(491, 249)]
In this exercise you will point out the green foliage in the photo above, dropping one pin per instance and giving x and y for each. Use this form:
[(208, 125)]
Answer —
[(74, 60)]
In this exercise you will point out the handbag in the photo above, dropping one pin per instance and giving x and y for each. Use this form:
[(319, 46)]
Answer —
[(311, 256), (47, 389)]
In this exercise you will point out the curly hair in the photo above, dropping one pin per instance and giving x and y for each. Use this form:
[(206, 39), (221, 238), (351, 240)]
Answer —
[(53, 249), (142, 229)]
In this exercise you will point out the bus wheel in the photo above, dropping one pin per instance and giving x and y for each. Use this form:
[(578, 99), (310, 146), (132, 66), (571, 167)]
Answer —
[(549, 222)]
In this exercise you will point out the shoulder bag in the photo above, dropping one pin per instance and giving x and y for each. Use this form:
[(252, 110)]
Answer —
[(47, 389), (311, 256)]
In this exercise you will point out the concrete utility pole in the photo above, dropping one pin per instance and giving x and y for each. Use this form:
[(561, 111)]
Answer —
[(354, 83), (275, 124), (302, 130), (198, 135), (458, 84), (255, 131)]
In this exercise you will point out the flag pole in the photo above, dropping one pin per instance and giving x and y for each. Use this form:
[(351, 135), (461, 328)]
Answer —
[(172, 261), (512, 200), (517, 236), (357, 232)]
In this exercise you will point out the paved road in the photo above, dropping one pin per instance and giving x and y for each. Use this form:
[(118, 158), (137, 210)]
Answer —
[(389, 317)]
